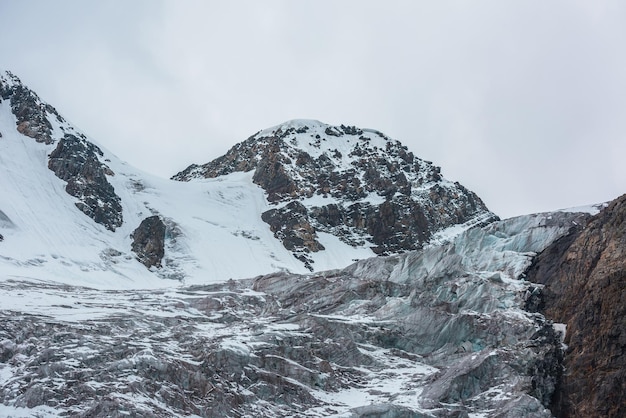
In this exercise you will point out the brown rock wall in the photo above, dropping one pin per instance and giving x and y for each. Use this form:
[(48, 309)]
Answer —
[(585, 288)]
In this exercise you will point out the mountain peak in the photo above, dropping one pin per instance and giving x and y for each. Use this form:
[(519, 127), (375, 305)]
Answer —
[(297, 143), (302, 195), (355, 183)]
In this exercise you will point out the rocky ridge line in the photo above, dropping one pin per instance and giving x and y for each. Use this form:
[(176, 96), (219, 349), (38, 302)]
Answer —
[(31, 113)]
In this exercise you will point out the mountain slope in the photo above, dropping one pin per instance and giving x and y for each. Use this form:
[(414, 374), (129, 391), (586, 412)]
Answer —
[(72, 211), (49, 233)]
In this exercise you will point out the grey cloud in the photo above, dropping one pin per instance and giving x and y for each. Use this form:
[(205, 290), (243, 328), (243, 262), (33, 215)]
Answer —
[(521, 101)]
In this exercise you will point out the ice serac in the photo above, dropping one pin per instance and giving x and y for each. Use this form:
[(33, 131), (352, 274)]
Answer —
[(584, 274), (438, 332), (357, 184)]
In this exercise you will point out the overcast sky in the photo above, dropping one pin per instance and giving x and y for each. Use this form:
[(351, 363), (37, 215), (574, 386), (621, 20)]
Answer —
[(523, 102)]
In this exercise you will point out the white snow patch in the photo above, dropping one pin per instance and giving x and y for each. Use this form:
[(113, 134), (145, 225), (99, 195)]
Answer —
[(38, 411), (561, 330), (593, 209)]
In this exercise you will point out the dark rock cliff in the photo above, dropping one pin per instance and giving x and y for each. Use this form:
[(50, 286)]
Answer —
[(291, 226), (584, 275), (358, 185), (75, 160), (149, 241)]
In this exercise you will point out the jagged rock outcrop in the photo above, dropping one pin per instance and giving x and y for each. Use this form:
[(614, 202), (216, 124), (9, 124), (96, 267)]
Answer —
[(149, 241), (76, 161), (31, 113), (290, 224), (357, 184), (584, 275)]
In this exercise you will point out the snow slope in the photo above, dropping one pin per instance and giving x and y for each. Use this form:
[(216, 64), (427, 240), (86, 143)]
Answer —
[(214, 226), (218, 223)]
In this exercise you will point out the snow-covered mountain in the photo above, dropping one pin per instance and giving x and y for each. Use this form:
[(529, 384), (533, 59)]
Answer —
[(356, 184), (369, 286), (299, 197)]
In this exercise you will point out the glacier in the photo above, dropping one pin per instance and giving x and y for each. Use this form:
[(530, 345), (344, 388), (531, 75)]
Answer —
[(429, 333), (396, 293)]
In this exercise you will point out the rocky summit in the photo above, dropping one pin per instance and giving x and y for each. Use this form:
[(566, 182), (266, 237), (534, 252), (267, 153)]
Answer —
[(357, 184)]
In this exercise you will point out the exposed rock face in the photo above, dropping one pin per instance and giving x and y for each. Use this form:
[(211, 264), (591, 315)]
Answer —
[(584, 275), (31, 113), (359, 185), (76, 161), (149, 241), (290, 224)]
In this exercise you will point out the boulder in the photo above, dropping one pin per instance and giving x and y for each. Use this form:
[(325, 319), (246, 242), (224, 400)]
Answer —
[(149, 241)]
